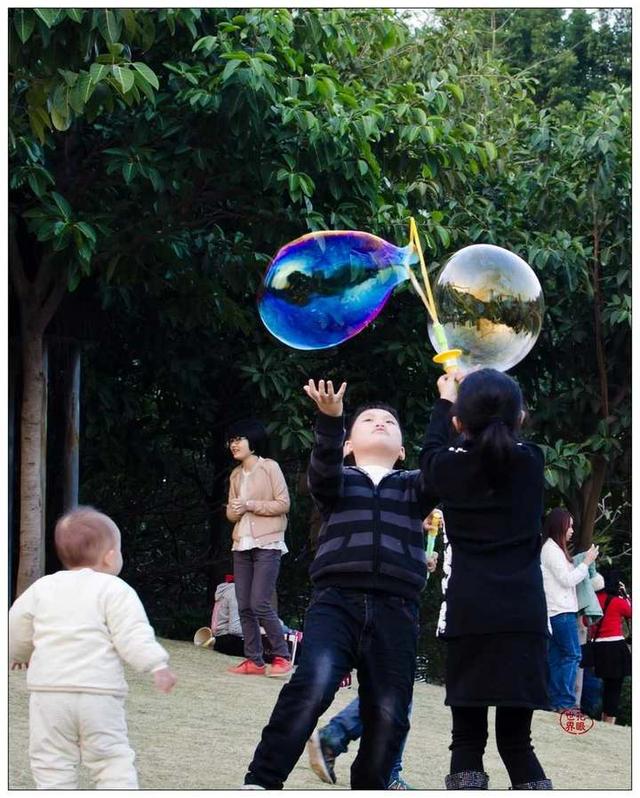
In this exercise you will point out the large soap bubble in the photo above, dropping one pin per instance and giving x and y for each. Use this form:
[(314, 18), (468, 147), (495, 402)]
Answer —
[(490, 305), (325, 287)]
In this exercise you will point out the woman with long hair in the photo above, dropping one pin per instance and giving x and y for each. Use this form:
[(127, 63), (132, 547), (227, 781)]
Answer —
[(560, 578)]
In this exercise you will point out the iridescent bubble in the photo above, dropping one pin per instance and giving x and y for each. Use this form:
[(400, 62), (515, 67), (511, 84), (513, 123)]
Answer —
[(325, 287), (490, 304)]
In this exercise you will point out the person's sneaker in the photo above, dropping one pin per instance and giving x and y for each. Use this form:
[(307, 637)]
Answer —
[(399, 784), (279, 667), (248, 668), (252, 787), (321, 758)]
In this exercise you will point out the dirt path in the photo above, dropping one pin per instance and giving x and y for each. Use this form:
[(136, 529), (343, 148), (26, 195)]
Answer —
[(203, 735)]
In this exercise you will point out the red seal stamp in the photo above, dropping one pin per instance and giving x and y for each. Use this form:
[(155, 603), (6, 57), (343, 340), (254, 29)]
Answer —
[(575, 722)]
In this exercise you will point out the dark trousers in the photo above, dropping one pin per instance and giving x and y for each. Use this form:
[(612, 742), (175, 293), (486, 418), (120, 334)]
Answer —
[(611, 690), (255, 573), (513, 739), (343, 629)]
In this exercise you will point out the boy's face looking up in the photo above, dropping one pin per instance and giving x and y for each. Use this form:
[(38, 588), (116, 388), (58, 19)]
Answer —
[(375, 439)]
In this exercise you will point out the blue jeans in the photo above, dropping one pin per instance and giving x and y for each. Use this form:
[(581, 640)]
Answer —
[(346, 726), (564, 657), (377, 634)]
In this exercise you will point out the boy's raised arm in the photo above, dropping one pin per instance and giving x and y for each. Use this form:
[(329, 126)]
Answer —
[(324, 476)]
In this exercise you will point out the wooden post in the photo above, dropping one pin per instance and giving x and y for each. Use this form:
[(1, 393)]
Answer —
[(71, 474)]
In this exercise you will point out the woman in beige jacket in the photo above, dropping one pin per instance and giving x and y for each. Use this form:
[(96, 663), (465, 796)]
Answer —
[(258, 505)]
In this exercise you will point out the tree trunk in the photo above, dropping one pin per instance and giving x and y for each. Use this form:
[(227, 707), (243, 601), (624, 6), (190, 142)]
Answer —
[(12, 464), (33, 436), (72, 432), (589, 498), (38, 299)]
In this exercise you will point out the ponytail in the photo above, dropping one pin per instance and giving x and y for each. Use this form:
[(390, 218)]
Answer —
[(489, 407), (496, 444)]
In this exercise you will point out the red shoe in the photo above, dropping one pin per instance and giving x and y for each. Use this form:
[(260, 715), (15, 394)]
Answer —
[(279, 667), (248, 668)]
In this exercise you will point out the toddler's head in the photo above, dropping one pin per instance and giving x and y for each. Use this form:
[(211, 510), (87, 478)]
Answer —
[(87, 538), (374, 436)]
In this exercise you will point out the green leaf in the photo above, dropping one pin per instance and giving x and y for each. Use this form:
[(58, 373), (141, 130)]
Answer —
[(229, 69), (128, 172), (24, 22), (75, 14), (98, 72), (456, 91), (109, 25), (87, 231), (70, 78), (144, 87), (74, 281), (124, 78), (81, 92), (147, 73), (60, 122), (48, 15), (490, 149), (205, 43), (420, 116), (443, 235), (309, 84), (63, 205)]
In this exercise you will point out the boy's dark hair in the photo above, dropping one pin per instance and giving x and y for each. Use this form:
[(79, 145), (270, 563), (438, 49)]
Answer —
[(555, 528), (489, 404), (255, 433), (370, 406)]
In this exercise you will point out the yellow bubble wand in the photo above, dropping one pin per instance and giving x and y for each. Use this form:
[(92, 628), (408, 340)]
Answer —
[(447, 358)]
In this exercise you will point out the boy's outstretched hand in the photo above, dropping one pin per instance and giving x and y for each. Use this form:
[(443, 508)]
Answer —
[(329, 402)]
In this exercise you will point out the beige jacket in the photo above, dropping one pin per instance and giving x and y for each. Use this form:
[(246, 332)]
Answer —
[(270, 501), (75, 628)]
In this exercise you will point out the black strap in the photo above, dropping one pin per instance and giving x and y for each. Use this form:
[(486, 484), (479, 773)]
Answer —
[(594, 635)]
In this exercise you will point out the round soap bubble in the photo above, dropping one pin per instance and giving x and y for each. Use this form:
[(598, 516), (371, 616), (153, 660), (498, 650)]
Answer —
[(490, 304), (325, 287)]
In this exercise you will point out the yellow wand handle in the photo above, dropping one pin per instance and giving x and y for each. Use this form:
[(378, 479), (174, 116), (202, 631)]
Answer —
[(447, 358)]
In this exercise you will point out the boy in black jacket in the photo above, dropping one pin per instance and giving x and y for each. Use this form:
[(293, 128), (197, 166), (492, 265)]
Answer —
[(368, 572)]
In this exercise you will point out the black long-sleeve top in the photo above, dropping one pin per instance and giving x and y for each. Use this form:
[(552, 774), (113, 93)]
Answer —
[(492, 576)]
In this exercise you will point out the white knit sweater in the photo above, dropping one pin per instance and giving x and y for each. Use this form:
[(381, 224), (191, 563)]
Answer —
[(74, 628), (560, 578)]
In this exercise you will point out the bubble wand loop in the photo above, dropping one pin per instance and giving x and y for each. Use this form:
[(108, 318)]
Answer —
[(447, 357)]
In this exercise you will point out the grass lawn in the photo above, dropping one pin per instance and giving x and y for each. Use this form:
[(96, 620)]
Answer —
[(202, 736)]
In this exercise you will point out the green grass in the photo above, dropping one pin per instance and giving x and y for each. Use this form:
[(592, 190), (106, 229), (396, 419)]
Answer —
[(202, 736)]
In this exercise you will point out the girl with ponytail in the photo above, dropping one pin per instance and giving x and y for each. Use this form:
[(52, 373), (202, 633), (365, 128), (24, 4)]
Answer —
[(493, 617)]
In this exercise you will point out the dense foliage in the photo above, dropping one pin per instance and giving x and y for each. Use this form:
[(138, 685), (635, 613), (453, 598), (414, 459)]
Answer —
[(160, 158)]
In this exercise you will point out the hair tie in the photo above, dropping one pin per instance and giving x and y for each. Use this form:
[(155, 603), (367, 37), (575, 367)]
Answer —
[(496, 419)]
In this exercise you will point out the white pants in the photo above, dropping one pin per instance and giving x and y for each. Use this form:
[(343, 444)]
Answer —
[(65, 728)]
